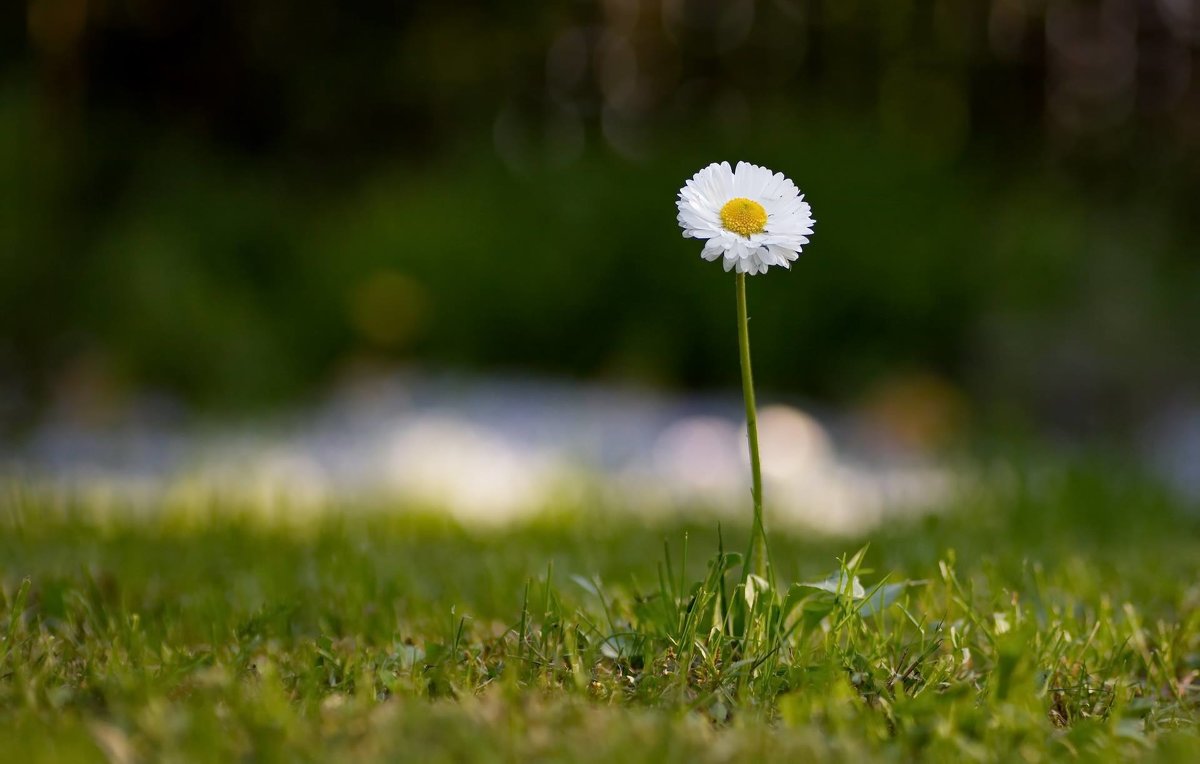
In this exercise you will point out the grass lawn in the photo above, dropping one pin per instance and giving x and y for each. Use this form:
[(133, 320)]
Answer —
[(1055, 618)]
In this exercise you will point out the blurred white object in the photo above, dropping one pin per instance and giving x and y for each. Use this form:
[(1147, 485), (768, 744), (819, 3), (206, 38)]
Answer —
[(486, 450)]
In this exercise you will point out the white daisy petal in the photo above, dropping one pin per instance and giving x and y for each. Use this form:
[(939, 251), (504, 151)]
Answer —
[(712, 249)]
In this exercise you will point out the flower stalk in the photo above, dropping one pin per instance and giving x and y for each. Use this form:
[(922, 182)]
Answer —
[(757, 559), (750, 219)]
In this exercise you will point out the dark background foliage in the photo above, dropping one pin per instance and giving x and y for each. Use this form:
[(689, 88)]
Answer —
[(235, 204)]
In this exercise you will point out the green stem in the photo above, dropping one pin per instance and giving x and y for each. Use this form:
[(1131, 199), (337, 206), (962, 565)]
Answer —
[(757, 560)]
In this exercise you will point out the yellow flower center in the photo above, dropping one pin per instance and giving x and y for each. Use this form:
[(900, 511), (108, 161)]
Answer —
[(744, 216)]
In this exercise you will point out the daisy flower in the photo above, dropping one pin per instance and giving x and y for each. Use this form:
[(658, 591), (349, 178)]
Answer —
[(751, 218)]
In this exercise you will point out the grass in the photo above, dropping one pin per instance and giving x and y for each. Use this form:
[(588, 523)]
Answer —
[(1056, 618)]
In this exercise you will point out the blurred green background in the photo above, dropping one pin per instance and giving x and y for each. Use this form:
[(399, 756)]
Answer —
[(235, 205)]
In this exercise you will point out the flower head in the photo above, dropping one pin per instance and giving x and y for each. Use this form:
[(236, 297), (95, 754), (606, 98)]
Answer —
[(752, 218)]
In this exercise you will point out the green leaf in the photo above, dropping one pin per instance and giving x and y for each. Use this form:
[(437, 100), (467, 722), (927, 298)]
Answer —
[(885, 595), (731, 560), (754, 586), (836, 583)]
